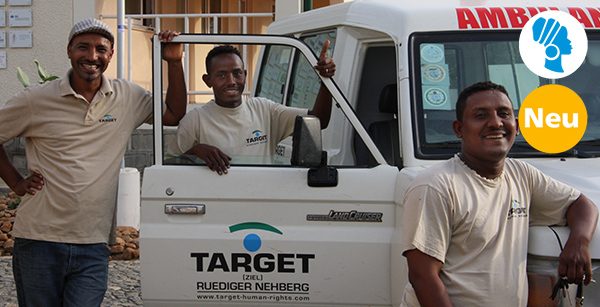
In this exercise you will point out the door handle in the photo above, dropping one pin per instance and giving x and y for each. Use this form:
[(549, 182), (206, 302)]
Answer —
[(184, 209)]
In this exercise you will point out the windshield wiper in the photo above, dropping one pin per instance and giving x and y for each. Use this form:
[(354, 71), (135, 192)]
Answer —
[(591, 142), (574, 152)]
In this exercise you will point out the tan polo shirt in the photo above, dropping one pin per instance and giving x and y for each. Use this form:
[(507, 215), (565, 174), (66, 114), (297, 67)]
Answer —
[(248, 132), (78, 147), (478, 227)]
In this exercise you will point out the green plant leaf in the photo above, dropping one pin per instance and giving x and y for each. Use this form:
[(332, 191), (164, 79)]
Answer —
[(22, 76), (41, 71)]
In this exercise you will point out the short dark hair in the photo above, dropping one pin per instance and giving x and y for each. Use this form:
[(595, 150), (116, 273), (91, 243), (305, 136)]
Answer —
[(461, 103), (224, 49)]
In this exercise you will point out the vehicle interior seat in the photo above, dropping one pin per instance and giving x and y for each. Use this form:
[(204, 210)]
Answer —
[(385, 133)]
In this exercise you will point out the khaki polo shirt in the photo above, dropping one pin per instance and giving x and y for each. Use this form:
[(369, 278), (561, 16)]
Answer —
[(478, 227), (78, 147), (251, 129)]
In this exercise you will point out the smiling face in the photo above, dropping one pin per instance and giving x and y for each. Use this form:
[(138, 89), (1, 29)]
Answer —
[(90, 54), (227, 78), (488, 126)]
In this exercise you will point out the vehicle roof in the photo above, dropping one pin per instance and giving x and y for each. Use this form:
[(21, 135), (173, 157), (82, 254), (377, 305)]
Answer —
[(399, 18)]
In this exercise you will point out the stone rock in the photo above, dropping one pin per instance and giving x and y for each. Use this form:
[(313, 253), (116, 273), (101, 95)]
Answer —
[(116, 257), (3, 237), (130, 253), (127, 230), (120, 241), (116, 249), (9, 245), (6, 227)]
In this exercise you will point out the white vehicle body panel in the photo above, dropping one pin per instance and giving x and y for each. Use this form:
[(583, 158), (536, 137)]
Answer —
[(313, 253)]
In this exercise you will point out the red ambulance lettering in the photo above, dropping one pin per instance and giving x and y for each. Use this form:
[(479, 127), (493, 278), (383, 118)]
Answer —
[(517, 16), (466, 19), (491, 16), (595, 14), (580, 15)]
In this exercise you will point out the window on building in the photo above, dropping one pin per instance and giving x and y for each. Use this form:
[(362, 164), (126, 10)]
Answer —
[(141, 7)]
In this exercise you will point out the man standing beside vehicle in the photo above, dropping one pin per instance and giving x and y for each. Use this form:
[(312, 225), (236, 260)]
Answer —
[(76, 131), (228, 124), (466, 221)]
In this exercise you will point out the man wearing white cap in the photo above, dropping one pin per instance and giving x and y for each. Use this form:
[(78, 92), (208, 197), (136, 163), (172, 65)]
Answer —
[(76, 131)]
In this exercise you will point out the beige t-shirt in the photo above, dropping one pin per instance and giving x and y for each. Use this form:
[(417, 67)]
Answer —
[(478, 228), (78, 147), (252, 129)]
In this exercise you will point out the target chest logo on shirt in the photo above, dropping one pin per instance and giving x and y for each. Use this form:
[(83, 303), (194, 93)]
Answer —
[(257, 137), (107, 119), (516, 210)]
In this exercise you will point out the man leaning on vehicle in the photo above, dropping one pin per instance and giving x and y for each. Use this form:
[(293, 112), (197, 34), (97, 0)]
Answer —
[(466, 220)]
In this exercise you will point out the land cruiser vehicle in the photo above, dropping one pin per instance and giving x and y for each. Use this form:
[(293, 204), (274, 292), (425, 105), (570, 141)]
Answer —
[(330, 234)]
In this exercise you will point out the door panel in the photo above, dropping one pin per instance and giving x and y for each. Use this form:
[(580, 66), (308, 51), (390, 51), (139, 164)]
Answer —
[(260, 235), (313, 248)]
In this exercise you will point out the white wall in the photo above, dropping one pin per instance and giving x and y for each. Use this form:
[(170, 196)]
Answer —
[(83, 9), (286, 8), (51, 23)]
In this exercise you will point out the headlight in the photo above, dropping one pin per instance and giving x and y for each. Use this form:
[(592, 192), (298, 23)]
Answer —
[(542, 274)]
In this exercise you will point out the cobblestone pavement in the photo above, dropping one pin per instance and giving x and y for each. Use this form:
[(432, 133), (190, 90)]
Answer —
[(123, 284)]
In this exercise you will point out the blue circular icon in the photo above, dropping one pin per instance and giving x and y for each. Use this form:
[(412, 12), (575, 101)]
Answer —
[(252, 242)]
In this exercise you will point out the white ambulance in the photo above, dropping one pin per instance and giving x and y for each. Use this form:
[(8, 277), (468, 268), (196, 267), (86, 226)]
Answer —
[(326, 231)]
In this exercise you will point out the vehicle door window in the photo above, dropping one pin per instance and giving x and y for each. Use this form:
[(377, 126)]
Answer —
[(273, 72), (304, 84), (377, 104), (272, 77), (279, 62)]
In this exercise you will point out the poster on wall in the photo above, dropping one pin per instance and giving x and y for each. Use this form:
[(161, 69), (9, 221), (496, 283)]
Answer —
[(2, 18), (2, 2), (19, 2), (2, 59), (19, 18), (2, 39), (19, 39)]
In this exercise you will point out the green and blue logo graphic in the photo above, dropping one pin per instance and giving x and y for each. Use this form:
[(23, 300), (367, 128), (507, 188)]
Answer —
[(256, 132), (256, 137), (252, 242), (107, 118)]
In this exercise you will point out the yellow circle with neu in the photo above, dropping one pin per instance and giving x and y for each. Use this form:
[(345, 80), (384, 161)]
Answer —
[(552, 118)]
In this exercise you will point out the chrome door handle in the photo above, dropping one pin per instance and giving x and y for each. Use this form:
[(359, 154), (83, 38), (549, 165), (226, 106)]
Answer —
[(185, 209)]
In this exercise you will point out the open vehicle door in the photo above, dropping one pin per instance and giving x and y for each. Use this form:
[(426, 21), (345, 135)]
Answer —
[(266, 234)]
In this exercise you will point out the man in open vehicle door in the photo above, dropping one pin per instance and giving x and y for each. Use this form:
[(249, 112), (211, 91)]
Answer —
[(230, 125)]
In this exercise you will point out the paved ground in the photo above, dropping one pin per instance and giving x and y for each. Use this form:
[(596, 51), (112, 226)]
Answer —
[(123, 284)]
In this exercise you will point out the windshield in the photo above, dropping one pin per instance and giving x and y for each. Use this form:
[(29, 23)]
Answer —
[(445, 63)]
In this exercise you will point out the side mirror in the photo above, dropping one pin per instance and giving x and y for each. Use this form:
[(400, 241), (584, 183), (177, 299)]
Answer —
[(306, 142), (307, 150)]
